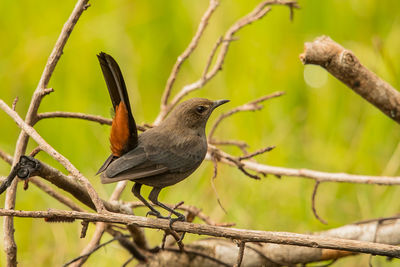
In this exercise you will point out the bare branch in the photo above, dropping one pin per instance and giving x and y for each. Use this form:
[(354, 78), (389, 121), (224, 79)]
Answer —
[(259, 12), (240, 144), (256, 153), (305, 173), (314, 194), (8, 227), (232, 233), (240, 254), (89, 253), (274, 255), (74, 115), (345, 66), (56, 155), (189, 50), (50, 191), (190, 209), (250, 106), (82, 116)]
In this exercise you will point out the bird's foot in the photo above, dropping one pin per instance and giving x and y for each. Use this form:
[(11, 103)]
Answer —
[(180, 218), (157, 214)]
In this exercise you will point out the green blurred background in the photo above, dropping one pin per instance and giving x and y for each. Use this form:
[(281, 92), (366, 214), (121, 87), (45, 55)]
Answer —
[(319, 124)]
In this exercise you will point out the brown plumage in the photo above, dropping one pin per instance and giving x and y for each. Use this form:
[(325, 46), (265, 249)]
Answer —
[(163, 155)]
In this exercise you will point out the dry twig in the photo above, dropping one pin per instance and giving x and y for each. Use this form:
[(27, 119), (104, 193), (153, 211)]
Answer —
[(314, 194), (250, 106), (259, 12), (188, 51)]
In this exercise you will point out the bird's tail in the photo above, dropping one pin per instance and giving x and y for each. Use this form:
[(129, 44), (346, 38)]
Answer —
[(123, 137)]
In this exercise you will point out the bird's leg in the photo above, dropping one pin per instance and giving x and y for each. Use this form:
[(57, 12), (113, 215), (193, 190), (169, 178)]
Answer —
[(154, 198), (136, 191)]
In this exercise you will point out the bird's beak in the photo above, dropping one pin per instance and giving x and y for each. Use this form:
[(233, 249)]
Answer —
[(218, 103)]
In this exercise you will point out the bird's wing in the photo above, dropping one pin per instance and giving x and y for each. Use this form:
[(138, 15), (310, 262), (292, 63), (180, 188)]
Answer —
[(176, 161), (139, 163)]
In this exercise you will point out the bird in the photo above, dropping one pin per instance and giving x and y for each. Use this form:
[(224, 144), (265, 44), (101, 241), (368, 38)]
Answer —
[(160, 156)]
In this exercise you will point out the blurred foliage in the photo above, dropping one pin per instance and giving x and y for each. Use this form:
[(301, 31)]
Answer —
[(319, 124)]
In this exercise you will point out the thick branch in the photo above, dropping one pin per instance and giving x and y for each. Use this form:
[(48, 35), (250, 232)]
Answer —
[(268, 255), (217, 231), (345, 66)]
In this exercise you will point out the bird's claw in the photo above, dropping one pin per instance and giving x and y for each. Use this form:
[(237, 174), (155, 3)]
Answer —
[(157, 214), (180, 218)]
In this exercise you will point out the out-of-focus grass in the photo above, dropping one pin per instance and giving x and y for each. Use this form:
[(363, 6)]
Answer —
[(327, 128)]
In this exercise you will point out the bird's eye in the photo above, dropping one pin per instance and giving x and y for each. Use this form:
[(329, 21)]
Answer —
[(200, 109)]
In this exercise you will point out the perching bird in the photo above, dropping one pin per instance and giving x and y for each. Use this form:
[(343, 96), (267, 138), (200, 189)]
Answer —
[(161, 156)]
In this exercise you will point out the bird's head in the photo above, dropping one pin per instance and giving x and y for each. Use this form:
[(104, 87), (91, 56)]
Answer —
[(193, 113)]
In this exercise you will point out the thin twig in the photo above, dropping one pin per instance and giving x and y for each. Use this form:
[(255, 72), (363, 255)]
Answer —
[(240, 144), (240, 254), (314, 194), (259, 12), (56, 155), (82, 116), (50, 191), (35, 151), (240, 166), (90, 252), (14, 104), (197, 253), (215, 165), (256, 153), (188, 51), (250, 106), (74, 115)]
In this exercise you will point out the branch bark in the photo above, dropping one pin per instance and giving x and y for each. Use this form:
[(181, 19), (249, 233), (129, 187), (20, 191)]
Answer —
[(10, 246), (273, 255), (244, 235), (346, 67)]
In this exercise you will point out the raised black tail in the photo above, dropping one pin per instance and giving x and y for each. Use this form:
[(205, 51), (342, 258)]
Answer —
[(118, 93)]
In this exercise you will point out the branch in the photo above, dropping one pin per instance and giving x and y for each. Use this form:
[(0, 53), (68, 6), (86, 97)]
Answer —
[(50, 191), (217, 231), (259, 12), (74, 115), (56, 155), (189, 50), (345, 66), (10, 246), (192, 210), (82, 116), (267, 254), (305, 173), (250, 106)]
